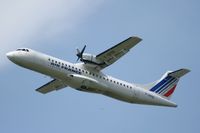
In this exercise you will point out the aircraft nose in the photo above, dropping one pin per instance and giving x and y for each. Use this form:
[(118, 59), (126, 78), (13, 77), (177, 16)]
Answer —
[(10, 55)]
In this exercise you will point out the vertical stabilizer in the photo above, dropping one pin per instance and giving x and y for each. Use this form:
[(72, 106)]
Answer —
[(167, 84)]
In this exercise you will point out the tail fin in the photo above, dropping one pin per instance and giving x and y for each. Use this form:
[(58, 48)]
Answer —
[(167, 84)]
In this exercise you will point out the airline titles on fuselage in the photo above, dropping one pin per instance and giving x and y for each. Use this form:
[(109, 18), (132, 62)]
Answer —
[(76, 70)]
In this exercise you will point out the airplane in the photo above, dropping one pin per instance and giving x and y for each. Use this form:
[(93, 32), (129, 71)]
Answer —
[(87, 75)]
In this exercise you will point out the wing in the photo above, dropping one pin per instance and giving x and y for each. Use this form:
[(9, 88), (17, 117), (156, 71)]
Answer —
[(50, 86), (111, 55)]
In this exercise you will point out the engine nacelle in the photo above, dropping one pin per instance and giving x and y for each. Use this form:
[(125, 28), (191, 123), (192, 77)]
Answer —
[(89, 58)]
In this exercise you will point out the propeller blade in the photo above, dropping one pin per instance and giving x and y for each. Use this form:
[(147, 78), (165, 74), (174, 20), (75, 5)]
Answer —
[(80, 54), (78, 51), (83, 50), (77, 59)]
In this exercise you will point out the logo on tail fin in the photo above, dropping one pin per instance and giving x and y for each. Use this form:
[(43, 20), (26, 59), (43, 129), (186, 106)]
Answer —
[(166, 86)]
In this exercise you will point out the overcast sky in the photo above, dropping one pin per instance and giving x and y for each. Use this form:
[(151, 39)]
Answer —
[(170, 31)]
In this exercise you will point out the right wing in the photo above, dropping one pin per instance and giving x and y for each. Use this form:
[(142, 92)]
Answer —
[(111, 55), (51, 86)]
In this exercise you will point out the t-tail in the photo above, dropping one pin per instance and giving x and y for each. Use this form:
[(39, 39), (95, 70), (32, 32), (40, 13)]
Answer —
[(168, 83)]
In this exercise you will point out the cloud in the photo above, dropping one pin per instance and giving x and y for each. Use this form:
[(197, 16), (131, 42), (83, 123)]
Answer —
[(22, 21)]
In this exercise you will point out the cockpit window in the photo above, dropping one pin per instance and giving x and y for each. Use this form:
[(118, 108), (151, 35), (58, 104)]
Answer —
[(23, 49)]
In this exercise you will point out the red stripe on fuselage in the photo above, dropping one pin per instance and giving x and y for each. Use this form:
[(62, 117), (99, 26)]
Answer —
[(170, 91)]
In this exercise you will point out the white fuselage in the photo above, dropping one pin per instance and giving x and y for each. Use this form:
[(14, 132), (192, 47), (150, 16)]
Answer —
[(74, 75)]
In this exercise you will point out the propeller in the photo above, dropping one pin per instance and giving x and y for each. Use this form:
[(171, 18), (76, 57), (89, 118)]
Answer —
[(80, 53)]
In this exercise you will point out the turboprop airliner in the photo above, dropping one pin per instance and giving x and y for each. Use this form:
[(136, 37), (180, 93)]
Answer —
[(87, 75)]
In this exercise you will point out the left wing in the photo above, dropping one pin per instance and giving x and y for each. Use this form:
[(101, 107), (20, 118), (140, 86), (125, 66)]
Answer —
[(51, 86), (111, 55)]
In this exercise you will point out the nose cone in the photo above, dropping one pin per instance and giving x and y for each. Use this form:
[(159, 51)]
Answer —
[(10, 55), (17, 57)]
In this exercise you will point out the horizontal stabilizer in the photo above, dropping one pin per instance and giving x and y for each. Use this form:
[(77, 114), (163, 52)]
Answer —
[(179, 73)]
